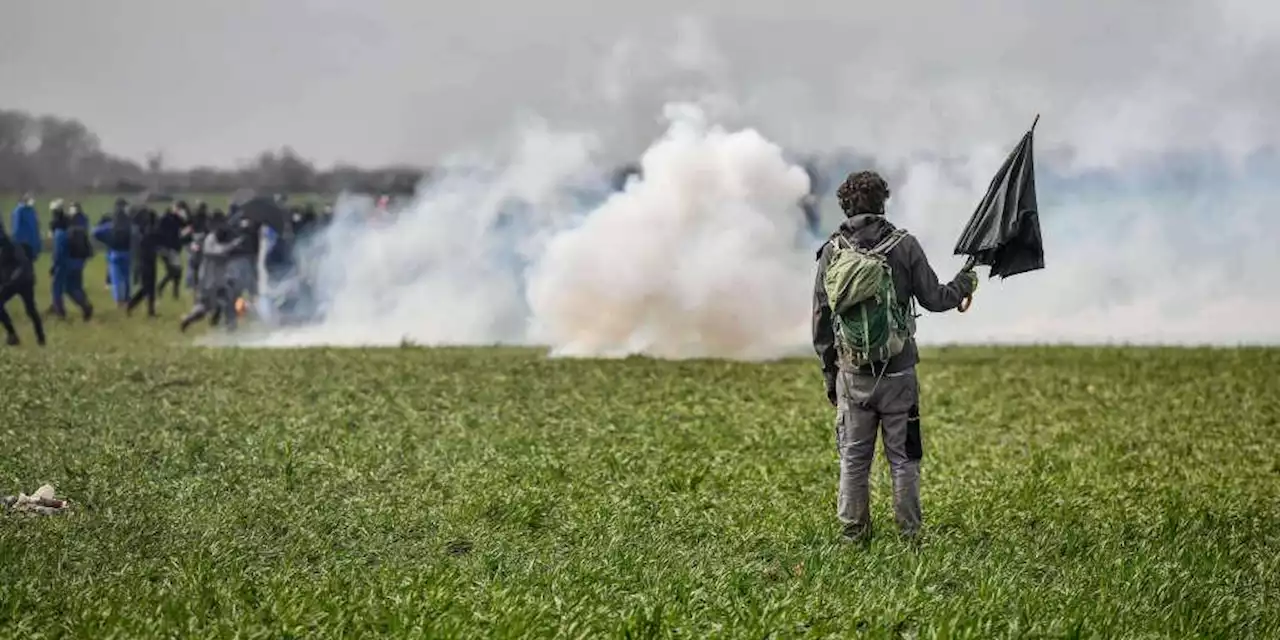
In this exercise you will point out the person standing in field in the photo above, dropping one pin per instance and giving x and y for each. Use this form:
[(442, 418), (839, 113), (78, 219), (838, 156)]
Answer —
[(57, 219), (117, 235), (242, 269), (25, 227), (17, 279), (193, 237), (71, 247), (213, 292), (137, 217), (170, 247), (147, 246), (868, 351)]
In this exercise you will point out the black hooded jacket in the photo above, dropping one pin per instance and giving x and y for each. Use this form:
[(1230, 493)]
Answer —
[(913, 277), (15, 266)]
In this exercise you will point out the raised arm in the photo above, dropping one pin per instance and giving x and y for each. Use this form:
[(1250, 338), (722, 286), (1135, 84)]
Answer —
[(926, 289)]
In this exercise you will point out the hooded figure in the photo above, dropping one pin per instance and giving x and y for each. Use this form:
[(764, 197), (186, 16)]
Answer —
[(71, 247), (169, 236), (117, 235), (25, 227), (17, 279), (242, 269), (137, 217), (880, 398), (147, 230)]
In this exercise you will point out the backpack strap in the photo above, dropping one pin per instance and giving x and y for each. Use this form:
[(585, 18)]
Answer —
[(833, 243), (889, 243)]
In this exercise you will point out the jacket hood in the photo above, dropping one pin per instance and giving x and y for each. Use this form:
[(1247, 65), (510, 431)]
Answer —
[(866, 229)]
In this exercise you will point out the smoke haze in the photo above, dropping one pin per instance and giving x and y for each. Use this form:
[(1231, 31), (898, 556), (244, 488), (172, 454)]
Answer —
[(1156, 154)]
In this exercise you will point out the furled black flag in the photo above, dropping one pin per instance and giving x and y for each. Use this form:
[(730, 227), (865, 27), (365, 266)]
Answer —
[(1004, 232)]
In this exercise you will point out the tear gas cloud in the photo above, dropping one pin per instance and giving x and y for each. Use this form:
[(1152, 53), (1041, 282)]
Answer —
[(1156, 163)]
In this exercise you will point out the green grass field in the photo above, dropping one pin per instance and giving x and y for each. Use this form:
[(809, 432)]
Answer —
[(497, 493)]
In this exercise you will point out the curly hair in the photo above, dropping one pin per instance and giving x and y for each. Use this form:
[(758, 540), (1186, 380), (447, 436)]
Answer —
[(863, 192)]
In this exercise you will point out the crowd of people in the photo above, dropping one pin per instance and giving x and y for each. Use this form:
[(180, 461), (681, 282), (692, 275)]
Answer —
[(216, 255), (221, 257)]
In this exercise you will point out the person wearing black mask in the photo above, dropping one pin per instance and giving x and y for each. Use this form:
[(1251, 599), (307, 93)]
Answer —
[(169, 239), (145, 261), (17, 279), (71, 248)]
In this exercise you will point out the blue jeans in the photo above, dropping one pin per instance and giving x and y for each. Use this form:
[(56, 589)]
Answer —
[(118, 269), (69, 282)]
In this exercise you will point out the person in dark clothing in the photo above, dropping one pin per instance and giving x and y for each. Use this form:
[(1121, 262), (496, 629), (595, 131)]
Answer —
[(148, 231), (169, 242), (882, 396), (242, 268), (78, 217), (71, 247), (57, 219), (138, 217), (18, 279), (104, 221)]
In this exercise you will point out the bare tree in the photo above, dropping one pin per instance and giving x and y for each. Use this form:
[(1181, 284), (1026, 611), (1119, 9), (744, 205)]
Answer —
[(59, 154)]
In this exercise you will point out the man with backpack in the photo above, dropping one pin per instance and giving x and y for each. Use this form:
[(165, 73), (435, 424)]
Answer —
[(71, 247), (117, 234), (870, 274)]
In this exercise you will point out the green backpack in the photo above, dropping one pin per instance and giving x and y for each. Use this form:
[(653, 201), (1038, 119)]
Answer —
[(871, 324)]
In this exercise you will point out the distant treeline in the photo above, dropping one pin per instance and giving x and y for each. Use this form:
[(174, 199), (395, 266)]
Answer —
[(49, 153)]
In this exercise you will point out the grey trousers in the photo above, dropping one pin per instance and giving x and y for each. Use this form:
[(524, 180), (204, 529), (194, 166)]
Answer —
[(866, 407)]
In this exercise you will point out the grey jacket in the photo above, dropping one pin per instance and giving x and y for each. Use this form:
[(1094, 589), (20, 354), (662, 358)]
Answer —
[(912, 277), (213, 264)]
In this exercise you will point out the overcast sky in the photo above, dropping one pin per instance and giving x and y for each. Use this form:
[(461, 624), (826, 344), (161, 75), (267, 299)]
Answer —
[(214, 81)]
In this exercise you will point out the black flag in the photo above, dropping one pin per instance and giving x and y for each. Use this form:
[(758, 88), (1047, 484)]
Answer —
[(265, 210), (1004, 232)]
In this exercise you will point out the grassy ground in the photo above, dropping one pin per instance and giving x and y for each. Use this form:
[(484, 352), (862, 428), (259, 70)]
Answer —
[(495, 493)]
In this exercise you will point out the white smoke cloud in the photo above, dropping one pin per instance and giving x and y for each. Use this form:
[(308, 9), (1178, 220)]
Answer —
[(704, 257), (701, 258)]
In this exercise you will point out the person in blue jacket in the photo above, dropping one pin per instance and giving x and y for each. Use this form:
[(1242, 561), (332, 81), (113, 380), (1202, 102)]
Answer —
[(25, 227), (117, 235), (57, 215), (71, 247)]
